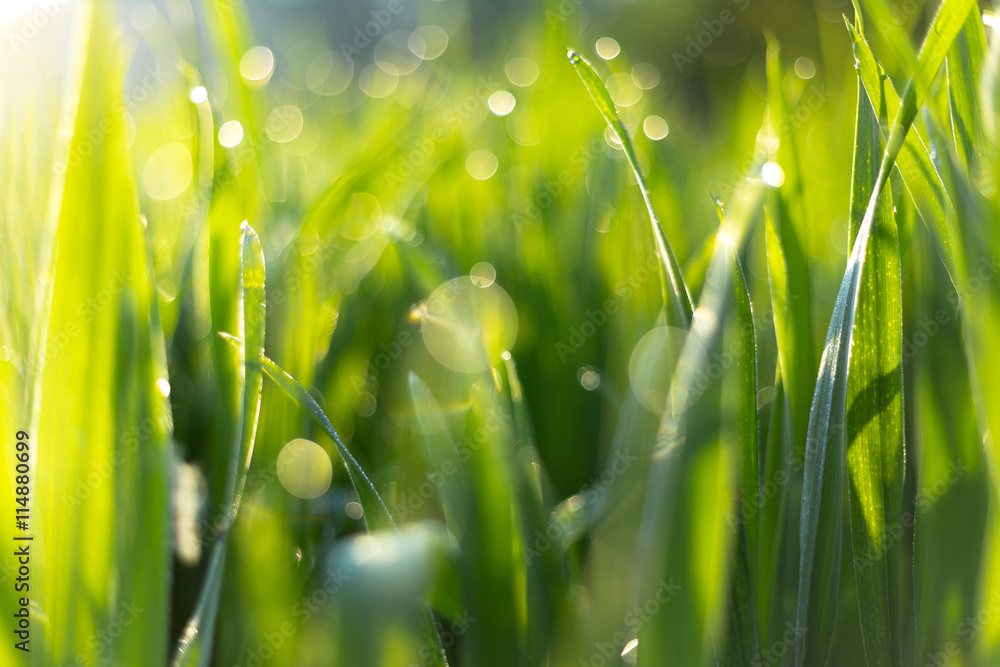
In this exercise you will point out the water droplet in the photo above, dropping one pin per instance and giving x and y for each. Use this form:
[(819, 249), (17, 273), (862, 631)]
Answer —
[(573, 56)]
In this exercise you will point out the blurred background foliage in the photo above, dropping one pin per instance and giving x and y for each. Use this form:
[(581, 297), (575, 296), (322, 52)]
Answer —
[(381, 150)]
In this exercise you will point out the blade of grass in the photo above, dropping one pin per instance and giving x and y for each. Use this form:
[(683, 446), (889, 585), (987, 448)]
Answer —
[(965, 75), (874, 417), (919, 174), (819, 533), (195, 645), (679, 305)]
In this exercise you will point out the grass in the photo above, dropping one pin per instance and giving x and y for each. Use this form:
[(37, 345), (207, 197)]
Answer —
[(575, 375)]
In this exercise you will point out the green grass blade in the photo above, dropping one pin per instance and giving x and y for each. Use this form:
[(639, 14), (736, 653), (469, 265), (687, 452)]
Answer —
[(195, 645), (100, 423), (965, 65), (919, 174), (376, 513), (874, 420), (701, 447), (788, 262), (820, 535), (678, 301)]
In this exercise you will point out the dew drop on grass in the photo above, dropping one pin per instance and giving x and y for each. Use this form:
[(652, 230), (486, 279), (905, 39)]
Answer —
[(645, 76), (304, 468), (630, 653), (483, 274), (805, 68), (773, 174), (652, 365), (589, 378), (168, 171), (428, 41), (655, 127), (354, 510), (297, 554), (198, 94)]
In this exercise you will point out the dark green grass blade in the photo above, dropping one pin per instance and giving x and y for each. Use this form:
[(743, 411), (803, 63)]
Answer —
[(195, 646), (376, 513), (678, 301), (819, 535), (874, 421)]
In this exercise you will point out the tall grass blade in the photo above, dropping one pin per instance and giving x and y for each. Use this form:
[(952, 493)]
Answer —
[(874, 420), (678, 301), (195, 645), (819, 530), (100, 423)]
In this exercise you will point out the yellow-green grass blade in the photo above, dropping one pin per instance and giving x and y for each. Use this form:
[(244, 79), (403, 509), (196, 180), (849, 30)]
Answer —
[(919, 174), (195, 645), (819, 528), (966, 61), (686, 535), (788, 264), (874, 420), (740, 402), (678, 299), (101, 424)]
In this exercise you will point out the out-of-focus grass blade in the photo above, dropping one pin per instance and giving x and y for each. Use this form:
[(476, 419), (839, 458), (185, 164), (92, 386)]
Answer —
[(874, 420), (919, 174), (694, 475), (819, 529), (740, 401), (952, 476), (100, 422), (195, 645), (788, 263), (965, 67), (480, 510), (679, 305)]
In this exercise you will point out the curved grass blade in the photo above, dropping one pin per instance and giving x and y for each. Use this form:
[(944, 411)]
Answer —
[(819, 530), (680, 305), (874, 419), (376, 513), (195, 645)]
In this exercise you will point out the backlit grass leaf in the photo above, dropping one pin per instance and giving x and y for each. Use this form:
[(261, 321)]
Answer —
[(678, 301), (820, 538), (874, 419), (195, 645)]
